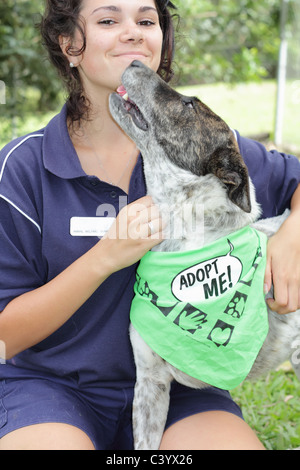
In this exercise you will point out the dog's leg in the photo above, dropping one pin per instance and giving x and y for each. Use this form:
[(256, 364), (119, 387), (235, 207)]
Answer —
[(151, 395), (150, 409)]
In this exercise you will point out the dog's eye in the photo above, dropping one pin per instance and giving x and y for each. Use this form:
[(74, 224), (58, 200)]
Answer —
[(189, 104)]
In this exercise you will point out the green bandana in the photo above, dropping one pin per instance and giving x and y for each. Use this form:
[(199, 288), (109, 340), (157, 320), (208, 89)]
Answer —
[(204, 311)]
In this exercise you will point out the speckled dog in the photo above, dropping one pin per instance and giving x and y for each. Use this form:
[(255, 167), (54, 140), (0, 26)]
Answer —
[(190, 157)]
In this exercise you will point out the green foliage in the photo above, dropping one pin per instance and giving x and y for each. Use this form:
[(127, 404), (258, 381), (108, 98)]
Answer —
[(23, 61), (217, 40), (225, 40)]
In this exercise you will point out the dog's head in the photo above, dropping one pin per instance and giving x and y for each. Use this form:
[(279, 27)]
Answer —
[(189, 134)]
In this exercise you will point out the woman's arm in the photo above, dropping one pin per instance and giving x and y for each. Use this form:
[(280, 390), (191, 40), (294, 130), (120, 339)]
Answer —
[(35, 315), (283, 262)]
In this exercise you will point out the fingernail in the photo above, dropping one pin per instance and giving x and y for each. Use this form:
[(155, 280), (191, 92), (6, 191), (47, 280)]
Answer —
[(266, 288)]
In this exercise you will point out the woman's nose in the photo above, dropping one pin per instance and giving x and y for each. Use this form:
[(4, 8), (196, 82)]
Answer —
[(132, 33)]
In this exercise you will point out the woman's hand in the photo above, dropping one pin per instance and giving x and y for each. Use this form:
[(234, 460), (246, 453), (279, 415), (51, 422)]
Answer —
[(136, 230), (283, 263)]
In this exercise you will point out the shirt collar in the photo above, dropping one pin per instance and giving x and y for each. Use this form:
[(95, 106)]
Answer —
[(59, 154)]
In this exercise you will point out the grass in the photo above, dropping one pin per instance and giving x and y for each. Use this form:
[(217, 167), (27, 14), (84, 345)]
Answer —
[(251, 108), (271, 406)]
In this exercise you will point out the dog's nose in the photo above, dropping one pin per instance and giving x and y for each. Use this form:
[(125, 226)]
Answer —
[(136, 63)]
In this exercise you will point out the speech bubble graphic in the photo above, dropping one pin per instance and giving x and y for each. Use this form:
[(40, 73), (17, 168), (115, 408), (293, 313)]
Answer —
[(209, 279)]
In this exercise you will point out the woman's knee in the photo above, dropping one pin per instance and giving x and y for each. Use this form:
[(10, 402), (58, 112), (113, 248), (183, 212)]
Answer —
[(212, 430), (48, 436)]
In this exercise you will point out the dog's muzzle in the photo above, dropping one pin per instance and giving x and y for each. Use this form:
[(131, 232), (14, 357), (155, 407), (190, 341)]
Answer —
[(132, 109)]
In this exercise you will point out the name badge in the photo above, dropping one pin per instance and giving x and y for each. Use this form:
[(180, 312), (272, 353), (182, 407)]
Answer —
[(90, 226)]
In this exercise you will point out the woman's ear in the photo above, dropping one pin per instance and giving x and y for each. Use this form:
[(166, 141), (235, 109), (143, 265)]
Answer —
[(67, 45)]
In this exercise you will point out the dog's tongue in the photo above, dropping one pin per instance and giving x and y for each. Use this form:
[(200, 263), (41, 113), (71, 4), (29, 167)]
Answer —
[(122, 92), (130, 106)]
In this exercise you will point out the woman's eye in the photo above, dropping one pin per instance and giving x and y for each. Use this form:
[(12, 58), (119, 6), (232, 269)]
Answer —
[(146, 23), (107, 22)]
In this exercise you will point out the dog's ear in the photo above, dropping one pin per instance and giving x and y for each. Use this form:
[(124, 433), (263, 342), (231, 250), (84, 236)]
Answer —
[(237, 187), (230, 168)]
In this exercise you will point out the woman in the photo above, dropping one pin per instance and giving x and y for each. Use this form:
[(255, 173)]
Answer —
[(65, 297)]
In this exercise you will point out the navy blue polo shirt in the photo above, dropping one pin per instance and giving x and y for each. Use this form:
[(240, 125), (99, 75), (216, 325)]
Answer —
[(42, 186)]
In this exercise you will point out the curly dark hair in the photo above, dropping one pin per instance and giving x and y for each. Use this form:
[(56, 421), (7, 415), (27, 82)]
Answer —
[(62, 18)]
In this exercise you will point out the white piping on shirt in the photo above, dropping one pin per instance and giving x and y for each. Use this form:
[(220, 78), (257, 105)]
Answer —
[(21, 212), (1, 176)]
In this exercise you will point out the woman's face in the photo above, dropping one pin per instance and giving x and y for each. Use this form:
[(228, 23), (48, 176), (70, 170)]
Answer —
[(117, 32)]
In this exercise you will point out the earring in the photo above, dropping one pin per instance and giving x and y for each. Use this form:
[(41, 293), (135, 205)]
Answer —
[(72, 65)]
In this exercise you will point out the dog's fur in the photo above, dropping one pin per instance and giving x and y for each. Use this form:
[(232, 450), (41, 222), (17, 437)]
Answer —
[(190, 156)]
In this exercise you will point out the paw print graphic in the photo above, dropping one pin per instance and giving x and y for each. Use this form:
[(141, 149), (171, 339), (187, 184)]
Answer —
[(236, 306), (142, 286), (144, 290)]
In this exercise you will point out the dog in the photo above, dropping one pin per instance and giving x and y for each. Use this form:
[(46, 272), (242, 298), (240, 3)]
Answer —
[(190, 157)]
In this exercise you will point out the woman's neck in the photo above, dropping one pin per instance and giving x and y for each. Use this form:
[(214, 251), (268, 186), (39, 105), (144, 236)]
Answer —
[(104, 150)]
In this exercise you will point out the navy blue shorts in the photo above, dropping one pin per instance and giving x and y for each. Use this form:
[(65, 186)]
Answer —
[(103, 414)]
